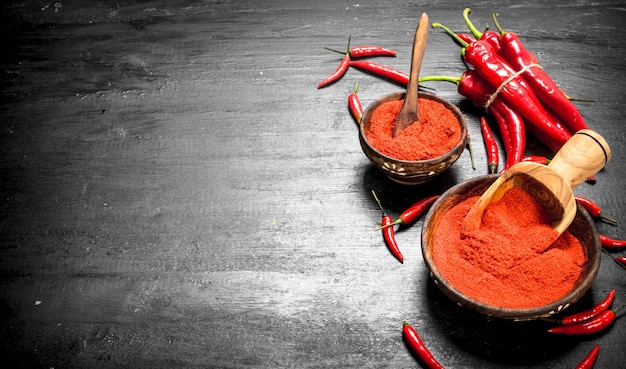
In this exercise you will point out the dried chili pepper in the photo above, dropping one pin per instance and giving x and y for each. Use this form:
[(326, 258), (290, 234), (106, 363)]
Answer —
[(339, 72), (491, 37), (510, 85), (415, 343), (490, 145), (365, 51), (611, 243), (382, 70), (389, 232), (593, 209), (590, 359), (598, 309), (414, 211), (354, 104), (590, 326), (514, 52)]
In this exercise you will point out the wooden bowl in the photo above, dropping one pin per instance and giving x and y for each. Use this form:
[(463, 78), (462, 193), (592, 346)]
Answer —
[(411, 172), (582, 228)]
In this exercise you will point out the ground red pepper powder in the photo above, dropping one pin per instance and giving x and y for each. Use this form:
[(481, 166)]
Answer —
[(436, 134), (513, 259)]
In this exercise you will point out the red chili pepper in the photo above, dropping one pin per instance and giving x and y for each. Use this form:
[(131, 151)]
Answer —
[(415, 343), (593, 209), (611, 243), (511, 86), (591, 326), (514, 51), (590, 359), (339, 72), (389, 232), (466, 37), (382, 70), (510, 122), (354, 104), (591, 313), (491, 37), (490, 145), (536, 159), (365, 51), (414, 211)]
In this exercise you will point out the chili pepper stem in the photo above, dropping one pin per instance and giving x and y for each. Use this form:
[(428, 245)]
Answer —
[(613, 258), (469, 23), (495, 21), (471, 152), (337, 51), (454, 36)]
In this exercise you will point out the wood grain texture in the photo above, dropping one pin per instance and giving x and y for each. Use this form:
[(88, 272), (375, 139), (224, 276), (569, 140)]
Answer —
[(176, 193)]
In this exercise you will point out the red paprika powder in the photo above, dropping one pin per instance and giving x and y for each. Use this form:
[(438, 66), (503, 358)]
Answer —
[(437, 132), (514, 260)]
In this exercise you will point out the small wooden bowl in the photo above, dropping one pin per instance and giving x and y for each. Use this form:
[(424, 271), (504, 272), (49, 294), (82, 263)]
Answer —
[(582, 228), (411, 172)]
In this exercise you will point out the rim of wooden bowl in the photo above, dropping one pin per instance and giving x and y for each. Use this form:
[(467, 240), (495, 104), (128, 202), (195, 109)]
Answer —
[(400, 95)]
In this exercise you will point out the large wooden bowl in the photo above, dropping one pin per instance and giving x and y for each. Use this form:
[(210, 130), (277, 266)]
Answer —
[(582, 228), (411, 172)]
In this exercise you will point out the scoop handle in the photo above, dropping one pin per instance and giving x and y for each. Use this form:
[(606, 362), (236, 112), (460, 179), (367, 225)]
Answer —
[(582, 156)]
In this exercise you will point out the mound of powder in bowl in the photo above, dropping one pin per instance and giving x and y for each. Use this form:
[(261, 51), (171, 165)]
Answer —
[(437, 132), (514, 259)]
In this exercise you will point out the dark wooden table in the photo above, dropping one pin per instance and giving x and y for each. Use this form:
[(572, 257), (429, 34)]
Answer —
[(176, 193)]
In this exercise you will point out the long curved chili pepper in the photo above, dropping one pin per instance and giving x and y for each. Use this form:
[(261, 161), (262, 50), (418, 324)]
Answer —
[(490, 145), (389, 232), (590, 359), (339, 72), (415, 343), (611, 243), (414, 211), (503, 128), (510, 122), (354, 105), (365, 51), (591, 326), (381, 70), (598, 309), (548, 92), (491, 37), (593, 209), (512, 87)]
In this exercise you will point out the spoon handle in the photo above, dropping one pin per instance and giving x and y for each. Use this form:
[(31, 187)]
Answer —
[(584, 154), (410, 109)]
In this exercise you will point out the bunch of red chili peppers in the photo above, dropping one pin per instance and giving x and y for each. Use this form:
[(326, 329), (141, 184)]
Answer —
[(506, 80)]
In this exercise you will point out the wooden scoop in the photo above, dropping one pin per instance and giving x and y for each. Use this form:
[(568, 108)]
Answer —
[(581, 156), (409, 113)]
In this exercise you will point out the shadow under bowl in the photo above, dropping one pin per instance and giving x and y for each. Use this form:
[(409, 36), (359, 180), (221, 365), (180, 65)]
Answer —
[(583, 228), (405, 171)]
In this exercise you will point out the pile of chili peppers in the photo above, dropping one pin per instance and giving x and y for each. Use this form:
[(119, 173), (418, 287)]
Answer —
[(506, 80)]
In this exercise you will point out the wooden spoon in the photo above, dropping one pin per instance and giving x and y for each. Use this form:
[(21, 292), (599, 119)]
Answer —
[(409, 113), (581, 156)]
